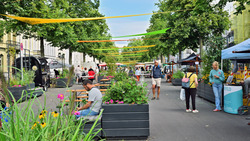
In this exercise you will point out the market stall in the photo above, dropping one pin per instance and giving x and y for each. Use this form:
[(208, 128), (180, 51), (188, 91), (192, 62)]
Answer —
[(233, 90), (168, 69)]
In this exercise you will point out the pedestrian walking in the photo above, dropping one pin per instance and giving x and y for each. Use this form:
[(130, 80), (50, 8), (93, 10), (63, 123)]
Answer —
[(78, 73), (191, 91), (91, 74), (138, 74), (216, 78), (96, 74), (156, 79)]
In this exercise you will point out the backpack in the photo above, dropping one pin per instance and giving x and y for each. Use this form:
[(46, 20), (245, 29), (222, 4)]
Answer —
[(186, 82)]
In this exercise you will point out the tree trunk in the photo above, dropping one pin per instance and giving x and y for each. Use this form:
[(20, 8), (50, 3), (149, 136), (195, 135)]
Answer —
[(93, 59), (42, 46), (180, 56), (84, 56), (201, 46), (161, 58), (70, 56), (201, 49), (168, 58)]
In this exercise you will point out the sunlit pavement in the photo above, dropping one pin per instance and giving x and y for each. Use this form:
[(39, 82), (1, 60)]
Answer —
[(170, 122)]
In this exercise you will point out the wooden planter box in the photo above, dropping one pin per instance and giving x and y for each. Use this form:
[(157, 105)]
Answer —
[(18, 92), (206, 91), (176, 82), (125, 121), (62, 83)]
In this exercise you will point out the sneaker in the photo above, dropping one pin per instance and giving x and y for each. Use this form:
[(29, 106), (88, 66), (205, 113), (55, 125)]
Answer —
[(188, 110), (195, 111), (216, 110), (157, 98), (153, 98)]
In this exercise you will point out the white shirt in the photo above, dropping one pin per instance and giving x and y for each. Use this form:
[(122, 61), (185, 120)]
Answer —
[(137, 72)]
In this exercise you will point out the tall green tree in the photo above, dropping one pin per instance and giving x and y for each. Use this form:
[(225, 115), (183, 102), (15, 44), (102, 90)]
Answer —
[(191, 22)]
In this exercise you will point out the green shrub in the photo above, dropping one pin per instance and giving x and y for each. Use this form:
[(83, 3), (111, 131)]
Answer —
[(179, 74), (126, 91)]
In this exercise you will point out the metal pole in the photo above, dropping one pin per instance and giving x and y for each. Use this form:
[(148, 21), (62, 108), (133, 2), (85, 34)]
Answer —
[(29, 61), (21, 63), (8, 56)]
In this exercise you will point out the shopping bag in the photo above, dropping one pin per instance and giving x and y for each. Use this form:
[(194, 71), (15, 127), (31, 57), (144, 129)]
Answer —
[(182, 94)]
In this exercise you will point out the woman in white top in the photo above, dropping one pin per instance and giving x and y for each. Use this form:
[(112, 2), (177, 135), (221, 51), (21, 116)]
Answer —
[(138, 74), (78, 73)]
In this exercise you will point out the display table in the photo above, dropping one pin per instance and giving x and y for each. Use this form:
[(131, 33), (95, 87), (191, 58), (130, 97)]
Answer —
[(233, 98)]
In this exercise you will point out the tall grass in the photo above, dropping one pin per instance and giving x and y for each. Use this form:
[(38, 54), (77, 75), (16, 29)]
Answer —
[(23, 123)]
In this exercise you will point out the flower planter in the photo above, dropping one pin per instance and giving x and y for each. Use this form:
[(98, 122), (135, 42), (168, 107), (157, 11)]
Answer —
[(30, 86), (176, 82), (18, 93), (125, 121), (62, 83), (206, 91)]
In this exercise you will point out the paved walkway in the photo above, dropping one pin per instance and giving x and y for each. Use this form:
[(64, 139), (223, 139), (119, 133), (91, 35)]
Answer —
[(170, 122)]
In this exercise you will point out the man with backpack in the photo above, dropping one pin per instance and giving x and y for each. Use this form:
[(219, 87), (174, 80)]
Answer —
[(156, 79)]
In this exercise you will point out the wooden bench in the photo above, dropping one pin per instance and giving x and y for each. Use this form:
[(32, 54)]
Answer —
[(78, 95)]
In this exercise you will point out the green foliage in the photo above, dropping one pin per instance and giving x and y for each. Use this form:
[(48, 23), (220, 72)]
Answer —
[(126, 91), (121, 76), (28, 77), (64, 73), (240, 7), (62, 35), (179, 74), (213, 53), (188, 28), (24, 123)]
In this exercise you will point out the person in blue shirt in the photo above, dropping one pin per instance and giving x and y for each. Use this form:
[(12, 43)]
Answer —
[(216, 78), (156, 79)]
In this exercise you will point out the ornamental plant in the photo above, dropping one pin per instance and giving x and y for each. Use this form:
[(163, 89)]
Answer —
[(178, 75), (22, 123), (126, 91)]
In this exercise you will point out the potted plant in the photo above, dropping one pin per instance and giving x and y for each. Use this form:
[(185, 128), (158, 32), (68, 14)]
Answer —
[(28, 79), (64, 80), (177, 77), (17, 88), (126, 109)]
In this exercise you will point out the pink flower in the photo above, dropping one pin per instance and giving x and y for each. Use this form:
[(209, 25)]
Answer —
[(76, 113), (117, 101), (111, 101), (121, 102), (106, 102), (60, 96), (57, 77), (15, 86), (19, 85)]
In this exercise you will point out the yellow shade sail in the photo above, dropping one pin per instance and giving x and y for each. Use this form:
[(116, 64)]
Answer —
[(34, 21)]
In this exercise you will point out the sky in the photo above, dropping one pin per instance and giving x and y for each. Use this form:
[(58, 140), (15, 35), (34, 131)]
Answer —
[(130, 25)]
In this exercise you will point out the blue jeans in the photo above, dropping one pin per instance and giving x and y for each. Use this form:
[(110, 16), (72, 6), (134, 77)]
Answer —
[(217, 88), (87, 112)]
